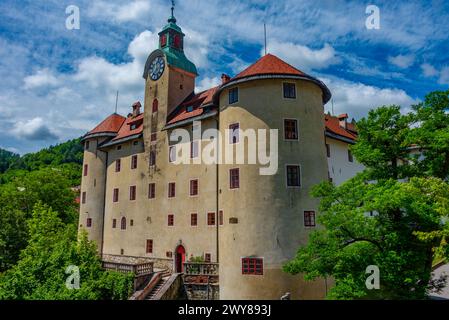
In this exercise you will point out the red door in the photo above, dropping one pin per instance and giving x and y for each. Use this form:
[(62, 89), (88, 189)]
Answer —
[(180, 258)]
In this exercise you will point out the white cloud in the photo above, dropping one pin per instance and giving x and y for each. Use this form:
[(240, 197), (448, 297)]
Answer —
[(207, 83), (402, 61), (42, 78), (303, 57), (428, 70), (34, 129), (119, 12), (444, 76), (357, 99)]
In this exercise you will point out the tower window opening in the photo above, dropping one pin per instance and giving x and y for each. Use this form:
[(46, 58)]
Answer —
[(171, 220), (293, 176), (291, 129), (123, 223), (234, 178), (233, 95), (309, 218), (289, 91), (211, 218)]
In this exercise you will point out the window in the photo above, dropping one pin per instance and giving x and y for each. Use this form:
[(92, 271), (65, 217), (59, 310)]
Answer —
[(136, 143), (291, 129), (115, 196), (171, 220), (134, 162), (155, 105), (151, 191), (83, 198), (172, 190), (169, 254), (87, 145), (350, 156), (131, 222), (172, 154), (89, 222), (189, 109), (133, 127), (123, 224), (234, 178), (86, 167), (211, 218), (152, 158), (194, 187), (149, 246), (114, 223), (309, 218), (233, 95), (220, 217), (163, 40), (118, 165), (207, 257), (289, 91), (234, 133), (153, 137), (328, 150), (293, 176), (119, 147), (194, 149), (252, 266), (194, 219), (132, 193)]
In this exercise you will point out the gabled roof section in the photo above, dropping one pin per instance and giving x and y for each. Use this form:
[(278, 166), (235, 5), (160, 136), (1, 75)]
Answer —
[(196, 104), (269, 64), (111, 124), (333, 126), (126, 131)]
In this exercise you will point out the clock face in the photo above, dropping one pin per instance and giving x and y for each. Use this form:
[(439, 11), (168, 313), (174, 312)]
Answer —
[(157, 68)]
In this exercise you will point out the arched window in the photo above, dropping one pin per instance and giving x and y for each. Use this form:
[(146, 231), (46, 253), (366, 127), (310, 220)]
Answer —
[(123, 223), (155, 105)]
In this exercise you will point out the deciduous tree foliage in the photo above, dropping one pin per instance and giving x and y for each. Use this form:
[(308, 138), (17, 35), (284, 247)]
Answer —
[(408, 193)]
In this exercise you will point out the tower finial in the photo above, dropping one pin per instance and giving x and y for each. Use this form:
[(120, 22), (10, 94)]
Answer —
[(172, 18)]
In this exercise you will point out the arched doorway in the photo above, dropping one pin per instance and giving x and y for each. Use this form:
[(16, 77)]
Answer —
[(180, 257)]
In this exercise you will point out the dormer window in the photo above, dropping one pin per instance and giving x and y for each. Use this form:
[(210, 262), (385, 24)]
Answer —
[(189, 109), (133, 126)]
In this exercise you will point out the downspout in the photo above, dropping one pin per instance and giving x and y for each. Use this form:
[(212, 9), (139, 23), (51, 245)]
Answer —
[(217, 183), (104, 202)]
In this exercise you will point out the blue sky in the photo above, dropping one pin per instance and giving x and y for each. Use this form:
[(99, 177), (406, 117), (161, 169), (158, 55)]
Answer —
[(58, 83)]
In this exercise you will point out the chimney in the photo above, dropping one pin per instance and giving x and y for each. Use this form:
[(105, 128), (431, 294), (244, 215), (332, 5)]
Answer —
[(342, 119), (136, 109), (225, 78)]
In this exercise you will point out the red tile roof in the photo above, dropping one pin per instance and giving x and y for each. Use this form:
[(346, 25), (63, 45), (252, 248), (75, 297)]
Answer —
[(110, 124), (197, 101), (269, 64), (125, 131), (333, 125)]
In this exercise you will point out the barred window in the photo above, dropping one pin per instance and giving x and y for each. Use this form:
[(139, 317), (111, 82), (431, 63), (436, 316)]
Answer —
[(234, 178), (309, 218), (291, 129), (89, 222), (252, 266), (211, 218), (149, 248), (194, 187), (194, 219), (293, 176), (289, 91), (171, 220)]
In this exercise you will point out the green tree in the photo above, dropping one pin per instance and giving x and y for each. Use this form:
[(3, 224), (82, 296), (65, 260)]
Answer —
[(52, 247), (409, 198)]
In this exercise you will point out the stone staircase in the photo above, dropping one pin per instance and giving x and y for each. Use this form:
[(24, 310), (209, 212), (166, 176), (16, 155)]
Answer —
[(157, 288)]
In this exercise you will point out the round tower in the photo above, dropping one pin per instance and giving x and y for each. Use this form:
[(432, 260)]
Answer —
[(93, 182), (268, 217)]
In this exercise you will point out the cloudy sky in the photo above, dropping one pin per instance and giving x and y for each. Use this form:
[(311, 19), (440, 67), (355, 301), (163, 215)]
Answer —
[(56, 83)]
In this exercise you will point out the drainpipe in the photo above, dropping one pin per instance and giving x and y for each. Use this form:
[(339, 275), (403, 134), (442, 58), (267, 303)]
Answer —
[(218, 184), (104, 200)]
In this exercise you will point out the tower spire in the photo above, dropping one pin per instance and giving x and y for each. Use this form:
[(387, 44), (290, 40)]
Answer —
[(172, 18)]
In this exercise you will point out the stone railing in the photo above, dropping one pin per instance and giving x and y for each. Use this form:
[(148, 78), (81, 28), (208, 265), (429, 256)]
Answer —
[(200, 269), (140, 269)]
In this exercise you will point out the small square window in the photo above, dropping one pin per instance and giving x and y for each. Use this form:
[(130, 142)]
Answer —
[(207, 258), (289, 91), (234, 178), (309, 218), (194, 187), (172, 190), (293, 176), (119, 147), (252, 266), (133, 126), (189, 109), (233, 95), (291, 129), (171, 220)]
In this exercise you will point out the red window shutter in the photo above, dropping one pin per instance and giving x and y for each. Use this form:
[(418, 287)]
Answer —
[(211, 218)]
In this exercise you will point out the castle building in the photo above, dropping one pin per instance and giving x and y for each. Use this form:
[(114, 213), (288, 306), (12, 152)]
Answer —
[(136, 202)]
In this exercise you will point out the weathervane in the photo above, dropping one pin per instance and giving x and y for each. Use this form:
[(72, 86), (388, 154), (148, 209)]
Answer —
[(172, 7)]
